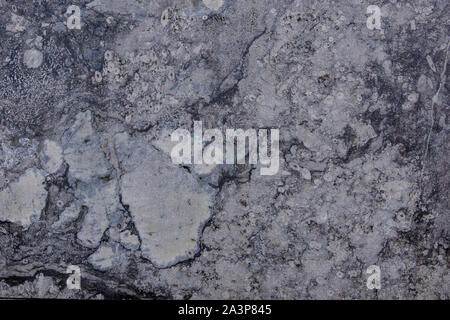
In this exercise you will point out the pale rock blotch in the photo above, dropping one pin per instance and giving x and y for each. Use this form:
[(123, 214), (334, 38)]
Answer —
[(213, 4), (33, 58), (105, 258), (94, 176), (129, 240), (168, 205), (24, 199), (51, 156), (82, 150)]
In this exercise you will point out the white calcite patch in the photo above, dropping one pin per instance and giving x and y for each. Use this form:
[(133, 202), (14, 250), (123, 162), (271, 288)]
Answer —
[(33, 58), (101, 200), (23, 199), (129, 240), (82, 150), (89, 169), (69, 215), (169, 207), (164, 141), (105, 257), (51, 156), (213, 4), (18, 24), (306, 174), (165, 144)]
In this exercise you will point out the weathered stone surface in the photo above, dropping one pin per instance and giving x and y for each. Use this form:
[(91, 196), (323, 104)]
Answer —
[(105, 258), (23, 200), (168, 205), (86, 177), (33, 58), (82, 150), (93, 176), (51, 156)]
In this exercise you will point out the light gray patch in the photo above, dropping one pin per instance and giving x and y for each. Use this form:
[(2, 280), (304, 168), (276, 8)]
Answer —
[(69, 215), (101, 199), (33, 58), (213, 4), (106, 257), (17, 24), (169, 207), (129, 240), (23, 200), (51, 156), (94, 177), (82, 150)]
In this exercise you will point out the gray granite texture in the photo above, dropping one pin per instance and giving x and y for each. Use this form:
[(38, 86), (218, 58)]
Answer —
[(90, 92)]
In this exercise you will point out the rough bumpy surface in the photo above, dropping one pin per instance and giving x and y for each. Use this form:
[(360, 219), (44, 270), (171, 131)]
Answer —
[(86, 177)]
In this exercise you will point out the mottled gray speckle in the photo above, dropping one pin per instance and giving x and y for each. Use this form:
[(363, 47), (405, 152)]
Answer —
[(86, 177)]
